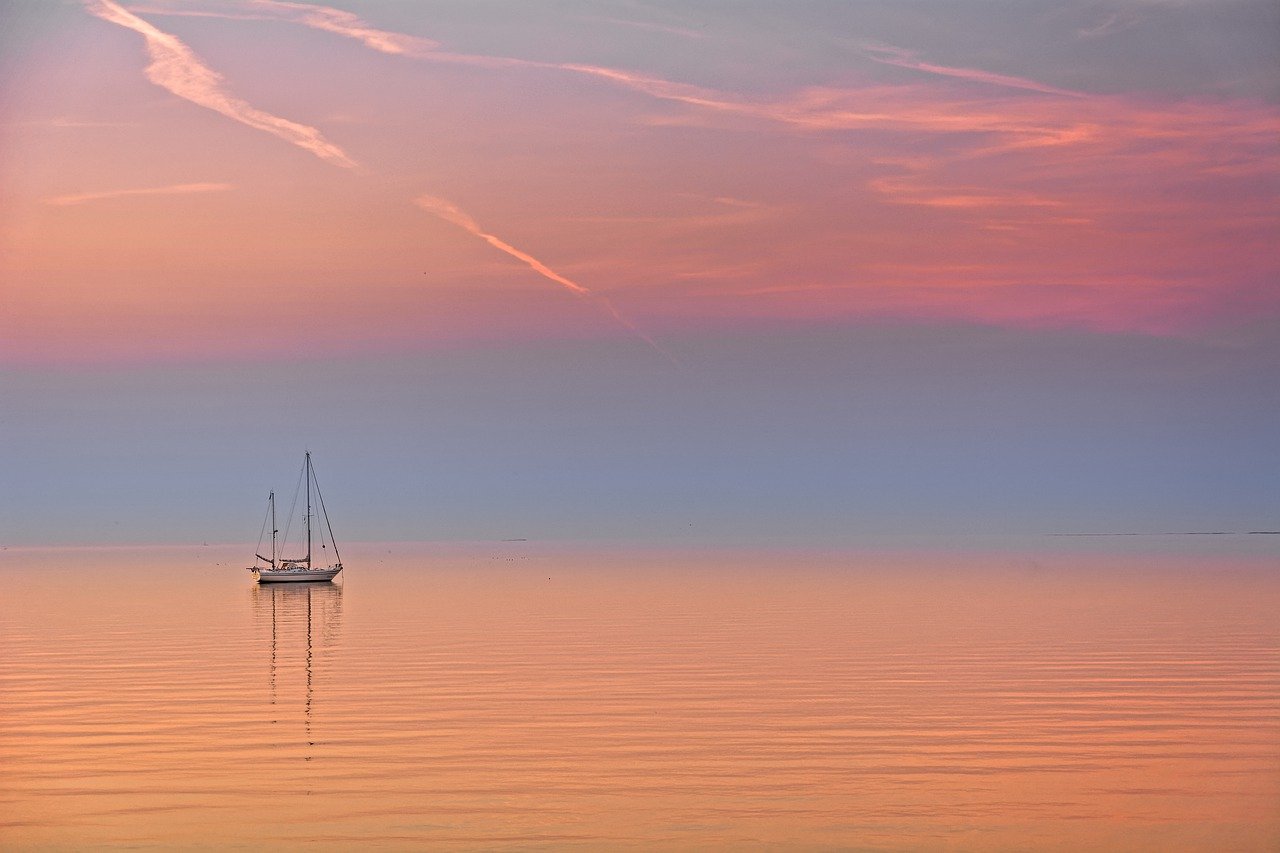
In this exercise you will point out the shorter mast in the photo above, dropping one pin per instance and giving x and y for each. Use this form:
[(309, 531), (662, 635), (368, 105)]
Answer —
[(271, 516)]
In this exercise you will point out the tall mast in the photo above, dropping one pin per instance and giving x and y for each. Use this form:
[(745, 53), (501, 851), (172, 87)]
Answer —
[(271, 498), (308, 472)]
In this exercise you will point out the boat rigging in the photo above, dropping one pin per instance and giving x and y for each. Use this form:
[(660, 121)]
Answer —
[(280, 569)]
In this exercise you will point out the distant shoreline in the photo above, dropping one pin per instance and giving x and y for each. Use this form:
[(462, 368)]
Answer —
[(1182, 533)]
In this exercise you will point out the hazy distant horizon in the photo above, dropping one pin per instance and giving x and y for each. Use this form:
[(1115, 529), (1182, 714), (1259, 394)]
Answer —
[(879, 429)]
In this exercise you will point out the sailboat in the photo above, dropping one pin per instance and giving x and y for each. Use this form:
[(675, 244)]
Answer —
[(300, 569)]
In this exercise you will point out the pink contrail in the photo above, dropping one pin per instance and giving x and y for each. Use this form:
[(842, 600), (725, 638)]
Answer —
[(175, 67), (450, 212), (346, 24), (175, 189), (813, 109)]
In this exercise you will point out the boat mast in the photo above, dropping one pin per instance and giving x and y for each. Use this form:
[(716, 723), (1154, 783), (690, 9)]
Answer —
[(308, 509), (271, 517), (271, 499)]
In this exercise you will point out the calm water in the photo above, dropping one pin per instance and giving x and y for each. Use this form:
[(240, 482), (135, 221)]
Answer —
[(521, 696)]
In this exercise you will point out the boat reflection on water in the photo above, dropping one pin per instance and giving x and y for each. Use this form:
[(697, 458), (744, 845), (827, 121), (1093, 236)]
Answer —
[(305, 622)]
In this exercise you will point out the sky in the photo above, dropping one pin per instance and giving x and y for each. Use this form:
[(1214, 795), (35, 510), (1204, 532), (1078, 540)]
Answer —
[(652, 271)]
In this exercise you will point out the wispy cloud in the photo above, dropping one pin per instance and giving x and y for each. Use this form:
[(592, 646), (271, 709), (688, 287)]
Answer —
[(680, 32), (349, 25), (818, 109), (175, 67), (1000, 124), (67, 122), (450, 212), (724, 212), (346, 24), (175, 12), (814, 109), (912, 191), (337, 21), (896, 56), (995, 163), (1108, 24), (172, 189)]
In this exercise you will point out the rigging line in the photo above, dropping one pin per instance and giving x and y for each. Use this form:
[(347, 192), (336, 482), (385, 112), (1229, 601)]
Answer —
[(316, 483), (337, 558), (258, 548), (292, 506)]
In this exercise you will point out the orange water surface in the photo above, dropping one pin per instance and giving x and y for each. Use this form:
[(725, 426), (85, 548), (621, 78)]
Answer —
[(529, 696)]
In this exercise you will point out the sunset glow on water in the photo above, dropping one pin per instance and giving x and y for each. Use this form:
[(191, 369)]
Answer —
[(524, 696)]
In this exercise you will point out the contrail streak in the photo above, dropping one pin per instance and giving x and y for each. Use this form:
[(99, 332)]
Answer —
[(175, 67), (815, 109), (175, 189), (889, 55), (450, 212), (349, 25), (346, 24)]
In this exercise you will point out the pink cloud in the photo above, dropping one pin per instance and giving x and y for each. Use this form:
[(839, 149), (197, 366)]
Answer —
[(888, 55), (175, 67), (173, 189)]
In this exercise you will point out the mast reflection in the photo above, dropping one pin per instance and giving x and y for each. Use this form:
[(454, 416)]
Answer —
[(304, 620)]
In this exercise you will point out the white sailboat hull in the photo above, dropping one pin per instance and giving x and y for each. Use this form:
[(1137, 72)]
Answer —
[(300, 575)]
